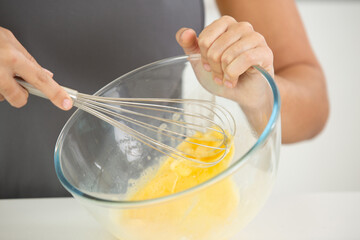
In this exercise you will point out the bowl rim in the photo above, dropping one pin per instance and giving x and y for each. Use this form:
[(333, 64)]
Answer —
[(270, 126)]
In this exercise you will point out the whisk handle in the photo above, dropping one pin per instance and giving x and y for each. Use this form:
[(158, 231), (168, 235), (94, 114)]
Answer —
[(34, 91)]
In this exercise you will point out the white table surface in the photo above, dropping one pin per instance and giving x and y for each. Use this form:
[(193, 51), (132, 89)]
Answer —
[(302, 216)]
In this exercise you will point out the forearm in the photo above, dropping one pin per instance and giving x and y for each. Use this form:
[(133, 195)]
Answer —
[(304, 108), (298, 74)]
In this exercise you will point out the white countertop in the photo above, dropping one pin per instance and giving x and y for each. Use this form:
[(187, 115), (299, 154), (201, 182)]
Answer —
[(302, 216)]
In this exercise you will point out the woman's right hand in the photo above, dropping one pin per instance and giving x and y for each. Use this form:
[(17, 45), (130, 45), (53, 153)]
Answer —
[(16, 61)]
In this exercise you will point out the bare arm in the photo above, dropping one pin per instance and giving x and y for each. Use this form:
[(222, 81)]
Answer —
[(268, 33), (298, 74)]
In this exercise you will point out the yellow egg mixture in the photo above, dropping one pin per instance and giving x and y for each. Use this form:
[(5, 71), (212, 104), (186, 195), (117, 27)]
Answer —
[(206, 214)]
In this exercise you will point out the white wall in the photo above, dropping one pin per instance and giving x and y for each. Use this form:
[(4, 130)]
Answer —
[(331, 162)]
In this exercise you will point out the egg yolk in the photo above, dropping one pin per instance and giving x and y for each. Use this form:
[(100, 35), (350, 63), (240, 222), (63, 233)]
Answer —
[(178, 175), (197, 215)]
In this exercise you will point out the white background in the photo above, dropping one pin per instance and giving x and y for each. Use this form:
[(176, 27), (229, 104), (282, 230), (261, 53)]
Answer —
[(330, 162)]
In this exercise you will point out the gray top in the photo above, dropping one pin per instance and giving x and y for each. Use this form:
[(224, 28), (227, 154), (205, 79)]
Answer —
[(86, 44)]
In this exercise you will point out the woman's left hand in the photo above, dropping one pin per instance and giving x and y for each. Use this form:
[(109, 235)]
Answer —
[(228, 49)]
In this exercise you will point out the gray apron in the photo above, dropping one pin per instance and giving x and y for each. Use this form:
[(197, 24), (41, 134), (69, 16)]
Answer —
[(86, 44)]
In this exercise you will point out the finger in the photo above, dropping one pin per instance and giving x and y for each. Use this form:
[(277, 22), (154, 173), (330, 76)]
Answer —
[(20, 47), (32, 59), (41, 80), (210, 34), (49, 72), (186, 37), (23, 50), (234, 33), (256, 56), (13, 93), (247, 42), (216, 51)]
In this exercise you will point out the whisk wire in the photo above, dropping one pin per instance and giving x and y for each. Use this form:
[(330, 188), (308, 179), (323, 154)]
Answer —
[(154, 128), (105, 108), (143, 106), (170, 151), (114, 110)]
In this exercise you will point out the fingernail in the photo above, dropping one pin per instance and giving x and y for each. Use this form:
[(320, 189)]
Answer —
[(228, 84), (207, 67), (218, 80), (67, 104)]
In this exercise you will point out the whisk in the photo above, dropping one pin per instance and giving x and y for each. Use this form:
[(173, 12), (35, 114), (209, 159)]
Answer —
[(162, 123)]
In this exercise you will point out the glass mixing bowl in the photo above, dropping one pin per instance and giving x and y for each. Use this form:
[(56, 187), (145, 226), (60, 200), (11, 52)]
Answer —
[(99, 164)]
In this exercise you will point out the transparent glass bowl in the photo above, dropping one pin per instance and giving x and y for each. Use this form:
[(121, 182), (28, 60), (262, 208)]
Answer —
[(98, 163)]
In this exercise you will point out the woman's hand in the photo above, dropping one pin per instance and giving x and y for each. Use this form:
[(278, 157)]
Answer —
[(16, 61), (228, 49)]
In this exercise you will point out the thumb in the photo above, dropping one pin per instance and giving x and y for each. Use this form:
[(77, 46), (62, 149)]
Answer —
[(186, 37)]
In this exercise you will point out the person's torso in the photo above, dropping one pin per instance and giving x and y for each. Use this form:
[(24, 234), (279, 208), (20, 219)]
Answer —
[(86, 44)]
